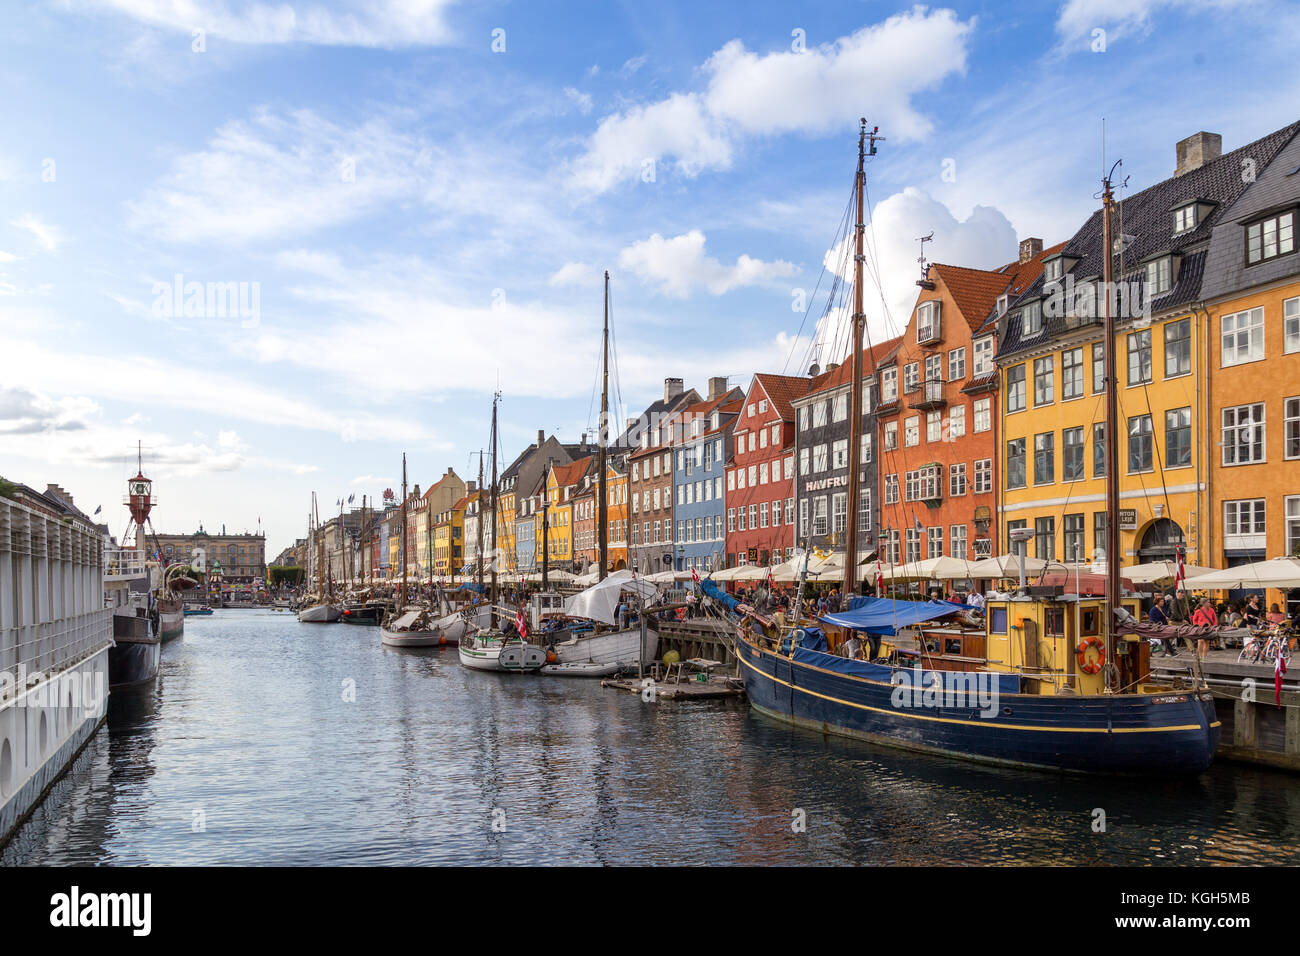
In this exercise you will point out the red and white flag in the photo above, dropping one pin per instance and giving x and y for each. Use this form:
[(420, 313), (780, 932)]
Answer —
[(1279, 669), (695, 577), (880, 578), (771, 584), (521, 624), (1180, 575)]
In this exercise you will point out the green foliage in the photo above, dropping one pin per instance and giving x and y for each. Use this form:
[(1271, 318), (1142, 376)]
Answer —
[(278, 575), (7, 489)]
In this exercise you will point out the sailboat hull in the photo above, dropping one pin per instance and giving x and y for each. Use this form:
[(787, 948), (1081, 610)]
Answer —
[(602, 655), (415, 638), (514, 657), (1175, 732), (320, 614)]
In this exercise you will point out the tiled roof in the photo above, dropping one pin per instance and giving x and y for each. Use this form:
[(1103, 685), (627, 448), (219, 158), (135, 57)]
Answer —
[(1147, 218), (838, 377), (571, 474), (782, 390)]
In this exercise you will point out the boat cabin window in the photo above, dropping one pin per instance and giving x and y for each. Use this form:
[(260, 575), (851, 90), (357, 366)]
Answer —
[(952, 645), (998, 621), (1090, 621), (1055, 621)]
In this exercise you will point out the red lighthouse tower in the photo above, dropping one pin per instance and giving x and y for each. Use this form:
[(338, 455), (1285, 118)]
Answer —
[(140, 500)]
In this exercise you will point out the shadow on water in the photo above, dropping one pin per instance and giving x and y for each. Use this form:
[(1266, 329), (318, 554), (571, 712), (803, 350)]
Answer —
[(301, 744)]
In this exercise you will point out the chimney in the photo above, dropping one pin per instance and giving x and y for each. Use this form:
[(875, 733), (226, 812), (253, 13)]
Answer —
[(631, 424), (541, 438), (672, 388), (57, 492), (1197, 150), (831, 366), (717, 387), (582, 445), (471, 487), (1029, 248)]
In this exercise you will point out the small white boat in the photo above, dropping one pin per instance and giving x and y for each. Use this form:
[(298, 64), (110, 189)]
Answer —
[(320, 614), (601, 652), (405, 631), (611, 648), (581, 669), (493, 652)]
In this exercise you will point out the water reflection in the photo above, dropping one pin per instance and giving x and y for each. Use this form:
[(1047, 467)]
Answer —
[(305, 744)]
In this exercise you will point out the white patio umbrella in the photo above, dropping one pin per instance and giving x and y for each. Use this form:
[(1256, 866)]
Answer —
[(931, 569), (1273, 573), (1005, 566), (1153, 571), (830, 568)]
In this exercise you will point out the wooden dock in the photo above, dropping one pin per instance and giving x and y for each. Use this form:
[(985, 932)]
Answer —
[(716, 688), (705, 637), (1255, 729)]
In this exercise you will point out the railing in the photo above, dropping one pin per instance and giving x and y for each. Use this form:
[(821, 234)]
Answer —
[(51, 647), (123, 563)]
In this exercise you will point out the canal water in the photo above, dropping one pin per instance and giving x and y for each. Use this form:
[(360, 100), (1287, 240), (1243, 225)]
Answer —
[(267, 741)]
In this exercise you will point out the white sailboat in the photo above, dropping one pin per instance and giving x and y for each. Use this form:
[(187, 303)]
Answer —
[(319, 609), (612, 645)]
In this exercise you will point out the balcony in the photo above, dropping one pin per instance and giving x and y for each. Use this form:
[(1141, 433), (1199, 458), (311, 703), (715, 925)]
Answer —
[(929, 396)]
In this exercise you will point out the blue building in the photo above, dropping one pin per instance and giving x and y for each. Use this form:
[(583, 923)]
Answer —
[(700, 461)]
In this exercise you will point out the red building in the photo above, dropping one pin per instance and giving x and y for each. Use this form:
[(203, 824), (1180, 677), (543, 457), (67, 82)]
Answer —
[(760, 474)]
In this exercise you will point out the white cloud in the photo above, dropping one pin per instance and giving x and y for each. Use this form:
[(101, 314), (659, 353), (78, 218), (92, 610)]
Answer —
[(47, 236), (7, 256), (280, 175), (574, 273), (366, 23), (633, 64), (580, 99), (679, 266), (815, 92), (1119, 18)]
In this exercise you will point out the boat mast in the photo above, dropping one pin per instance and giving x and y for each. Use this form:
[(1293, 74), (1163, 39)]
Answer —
[(1112, 416), (401, 600), (855, 399), (478, 508), (546, 524), (602, 517), (494, 507)]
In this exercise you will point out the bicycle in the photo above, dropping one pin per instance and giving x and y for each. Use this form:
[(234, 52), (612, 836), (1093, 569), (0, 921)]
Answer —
[(1267, 643)]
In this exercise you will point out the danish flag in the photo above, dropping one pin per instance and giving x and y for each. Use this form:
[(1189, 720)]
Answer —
[(880, 577), (521, 624), (1180, 574), (1279, 669), (695, 577), (771, 584)]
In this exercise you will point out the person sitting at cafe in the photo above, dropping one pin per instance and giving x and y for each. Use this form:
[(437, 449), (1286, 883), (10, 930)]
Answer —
[(1157, 615)]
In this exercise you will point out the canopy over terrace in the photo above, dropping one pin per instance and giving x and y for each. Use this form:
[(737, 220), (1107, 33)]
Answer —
[(1156, 571), (885, 616), (931, 569), (1272, 573)]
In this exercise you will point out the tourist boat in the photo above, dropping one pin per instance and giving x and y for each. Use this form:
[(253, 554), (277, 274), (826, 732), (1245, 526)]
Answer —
[(191, 609), (1057, 679), (413, 628), (605, 645)]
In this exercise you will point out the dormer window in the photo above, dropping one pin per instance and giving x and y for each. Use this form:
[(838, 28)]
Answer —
[(1002, 305), (1159, 276), (1031, 319), (1270, 238), (1185, 218), (1053, 269), (717, 422), (927, 321)]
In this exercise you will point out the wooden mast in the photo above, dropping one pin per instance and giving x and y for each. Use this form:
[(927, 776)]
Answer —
[(1112, 435), (494, 508), (855, 400), (478, 510), (602, 517), (401, 600), (546, 525)]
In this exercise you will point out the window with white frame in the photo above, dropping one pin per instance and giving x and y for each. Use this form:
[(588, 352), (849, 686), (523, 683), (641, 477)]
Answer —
[(819, 415), (911, 377), (982, 362), (1291, 325), (957, 480), (1243, 523), (889, 385), (933, 373), (983, 476), (1292, 504), (1270, 238), (1159, 276), (762, 406), (789, 467), (776, 513), (1016, 388), (819, 458), (957, 364), (1185, 218), (1291, 429), (803, 517), (1139, 357), (819, 516), (840, 408), (927, 321), (1071, 374), (803, 418), (956, 421), (957, 533), (1243, 434), (762, 473), (776, 435), (1242, 336), (840, 453), (1031, 319), (1044, 380), (983, 414), (839, 513), (933, 426), (934, 542), (789, 511), (864, 510), (866, 448), (891, 489), (804, 457), (891, 436), (911, 431)]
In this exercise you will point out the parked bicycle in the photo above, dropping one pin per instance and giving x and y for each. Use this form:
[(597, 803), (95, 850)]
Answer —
[(1267, 644)]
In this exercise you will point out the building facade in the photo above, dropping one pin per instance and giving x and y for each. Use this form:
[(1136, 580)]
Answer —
[(699, 478), (760, 476), (240, 559)]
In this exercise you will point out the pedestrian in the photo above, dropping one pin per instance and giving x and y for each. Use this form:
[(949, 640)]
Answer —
[(1252, 613), (1205, 616), (1275, 615), (1157, 615)]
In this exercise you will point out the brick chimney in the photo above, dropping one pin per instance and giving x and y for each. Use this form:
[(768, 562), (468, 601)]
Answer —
[(672, 388), (717, 387), (57, 492), (1029, 248), (471, 486), (1197, 150), (541, 438)]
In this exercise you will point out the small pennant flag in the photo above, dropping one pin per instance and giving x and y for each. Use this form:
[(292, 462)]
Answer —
[(1180, 575), (352, 498), (880, 577), (99, 509), (771, 584), (919, 526)]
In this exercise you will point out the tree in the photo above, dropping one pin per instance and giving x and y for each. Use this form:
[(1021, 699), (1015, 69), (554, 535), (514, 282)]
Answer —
[(278, 575)]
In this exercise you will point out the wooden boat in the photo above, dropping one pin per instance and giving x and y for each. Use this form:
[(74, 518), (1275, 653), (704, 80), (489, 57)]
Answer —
[(369, 613), (193, 609), (413, 629), (318, 608), (1056, 681), (607, 645), (320, 613), (493, 651)]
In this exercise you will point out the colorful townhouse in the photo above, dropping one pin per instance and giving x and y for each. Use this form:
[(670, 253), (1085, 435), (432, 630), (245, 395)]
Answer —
[(521, 488), (440, 497), (650, 490), (472, 549), (699, 477), (1251, 291), (760, 476), (1051, 365), (822, 454), (937, 416), (562, 483), (586, 528)]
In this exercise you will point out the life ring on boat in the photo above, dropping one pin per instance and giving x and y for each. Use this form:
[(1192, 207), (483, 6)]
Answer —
[(1081, 653)]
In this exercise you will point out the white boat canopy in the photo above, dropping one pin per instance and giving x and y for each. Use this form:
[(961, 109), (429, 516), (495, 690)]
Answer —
[(600, 601)]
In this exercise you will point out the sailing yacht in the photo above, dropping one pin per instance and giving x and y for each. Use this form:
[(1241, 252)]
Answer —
[(1054, 680), (319, 608)]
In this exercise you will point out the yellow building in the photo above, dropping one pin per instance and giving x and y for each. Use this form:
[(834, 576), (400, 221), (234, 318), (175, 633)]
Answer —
[(561, 486), (1051, 461)]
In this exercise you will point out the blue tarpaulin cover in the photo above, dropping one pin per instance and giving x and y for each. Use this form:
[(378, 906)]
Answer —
[(885, 616), (715, 592)]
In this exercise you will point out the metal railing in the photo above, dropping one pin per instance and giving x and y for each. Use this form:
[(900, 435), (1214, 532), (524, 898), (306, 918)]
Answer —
[(51, 647), (122, 563)]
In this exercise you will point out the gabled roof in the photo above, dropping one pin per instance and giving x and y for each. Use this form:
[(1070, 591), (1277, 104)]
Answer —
[(1147, 218), (782, 390), (570, 474), (838, 377)]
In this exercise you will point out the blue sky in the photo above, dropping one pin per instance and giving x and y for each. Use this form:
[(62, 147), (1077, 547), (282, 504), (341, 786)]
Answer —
[(425, 218)]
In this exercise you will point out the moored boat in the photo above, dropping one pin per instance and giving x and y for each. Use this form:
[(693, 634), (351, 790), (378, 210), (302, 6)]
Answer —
[(611, 641), (197, 609), (493, 651)]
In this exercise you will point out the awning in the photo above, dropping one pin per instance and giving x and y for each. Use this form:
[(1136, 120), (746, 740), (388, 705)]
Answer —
[(599, 602), (884, 616)]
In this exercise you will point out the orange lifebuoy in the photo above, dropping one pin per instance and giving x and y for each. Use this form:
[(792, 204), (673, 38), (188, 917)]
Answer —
[(1081, 653)]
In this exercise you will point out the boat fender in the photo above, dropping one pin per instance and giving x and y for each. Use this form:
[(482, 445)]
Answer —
[(1081, 654)]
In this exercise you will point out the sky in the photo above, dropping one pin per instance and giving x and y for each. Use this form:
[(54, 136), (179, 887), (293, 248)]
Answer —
[(281, 244)]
